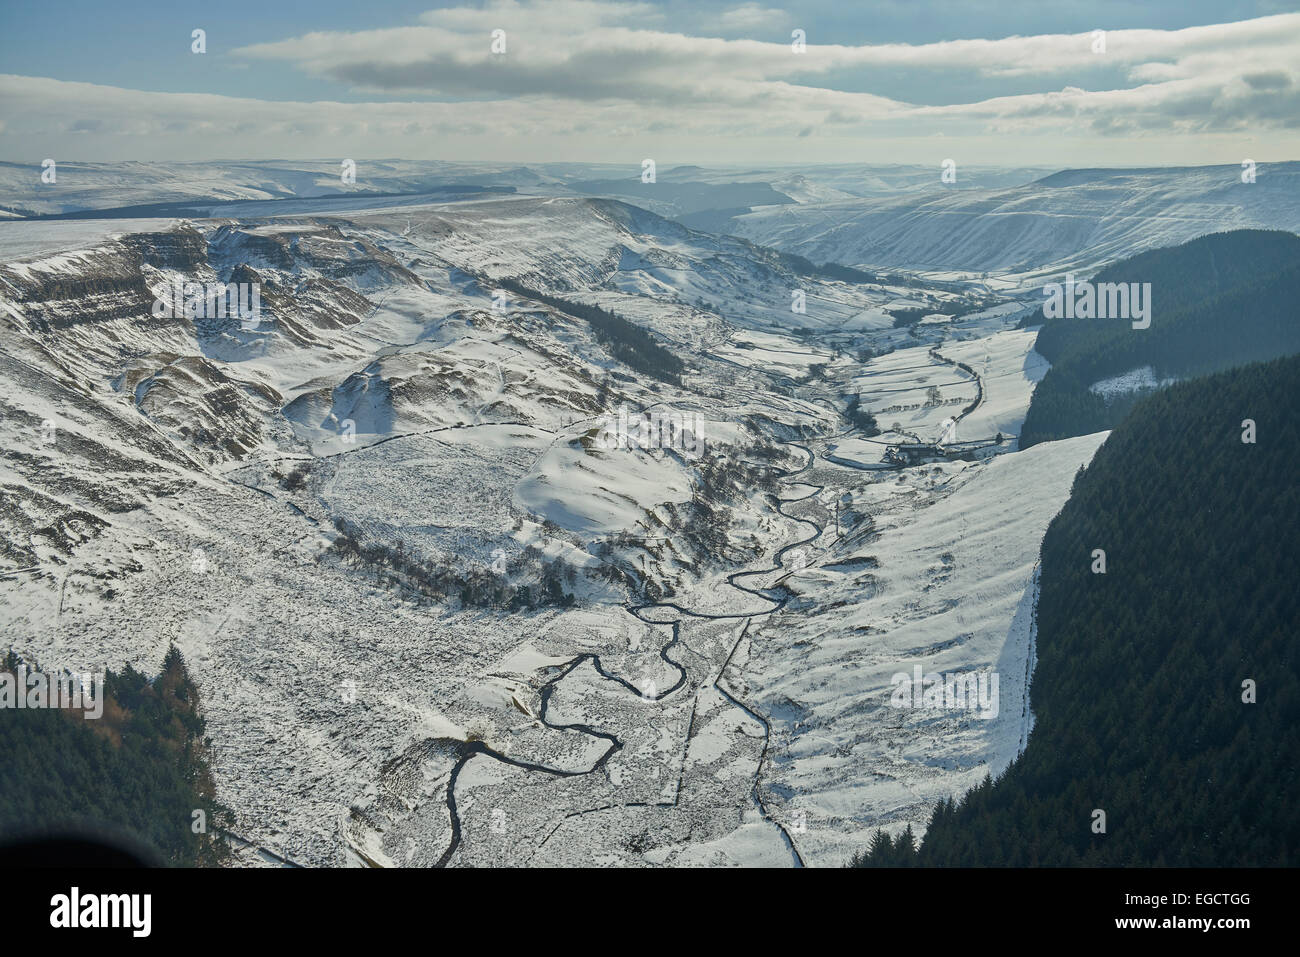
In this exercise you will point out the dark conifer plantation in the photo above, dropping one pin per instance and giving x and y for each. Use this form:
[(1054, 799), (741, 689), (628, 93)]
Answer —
[(137, 773), (1138, 692), (1216, 302), (626, 341)]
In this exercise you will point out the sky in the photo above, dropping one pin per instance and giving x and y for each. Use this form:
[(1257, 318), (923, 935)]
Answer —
[(983, 82)]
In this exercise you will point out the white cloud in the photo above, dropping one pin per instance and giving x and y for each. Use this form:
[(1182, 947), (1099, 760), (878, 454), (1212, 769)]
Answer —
[(587, 73), (751, 16)]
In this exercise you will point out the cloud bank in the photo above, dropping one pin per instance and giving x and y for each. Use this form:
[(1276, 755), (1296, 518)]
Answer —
[(576, 77)]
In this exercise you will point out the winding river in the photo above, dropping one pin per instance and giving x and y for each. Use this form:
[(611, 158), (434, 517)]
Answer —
[(467, 750)]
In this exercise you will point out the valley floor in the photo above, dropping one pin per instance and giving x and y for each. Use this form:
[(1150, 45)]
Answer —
[(741, 715)]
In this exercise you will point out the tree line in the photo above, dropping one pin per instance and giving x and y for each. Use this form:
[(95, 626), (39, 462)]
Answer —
[(626, 341), (522, 582), (1216, 302), (1166, 697), (136, 774)]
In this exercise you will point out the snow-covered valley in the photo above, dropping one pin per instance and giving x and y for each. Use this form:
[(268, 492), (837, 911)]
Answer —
[(717, 686)]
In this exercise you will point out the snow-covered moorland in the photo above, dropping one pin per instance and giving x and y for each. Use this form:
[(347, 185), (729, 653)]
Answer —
[(434, 618)]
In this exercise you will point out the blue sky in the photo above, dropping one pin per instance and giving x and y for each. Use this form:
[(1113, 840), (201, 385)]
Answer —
[(590, 80)]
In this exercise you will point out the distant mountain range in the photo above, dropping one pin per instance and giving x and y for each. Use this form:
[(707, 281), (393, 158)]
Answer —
[(1070, 219), (1017, 224)]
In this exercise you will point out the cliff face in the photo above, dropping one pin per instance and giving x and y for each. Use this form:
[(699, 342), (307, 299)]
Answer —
[(111, 403), (102, 285), (182, 248), (108, 282)]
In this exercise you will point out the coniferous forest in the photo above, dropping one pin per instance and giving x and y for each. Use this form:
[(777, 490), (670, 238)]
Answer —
[(1166, 693), (135, 775), (626, 341), (1216, 302)]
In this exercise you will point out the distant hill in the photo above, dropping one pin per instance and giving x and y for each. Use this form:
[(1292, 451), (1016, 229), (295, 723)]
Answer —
[(1074, 219)]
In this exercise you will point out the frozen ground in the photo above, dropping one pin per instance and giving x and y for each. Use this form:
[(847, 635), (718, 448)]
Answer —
[(30, 239), (1134, 380), (718, 691), (936, 570)]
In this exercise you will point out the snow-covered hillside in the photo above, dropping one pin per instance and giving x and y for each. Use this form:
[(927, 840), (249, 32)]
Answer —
[(436, 614), (92, 186), (1075, 219), (935, 569), (96, 186)]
